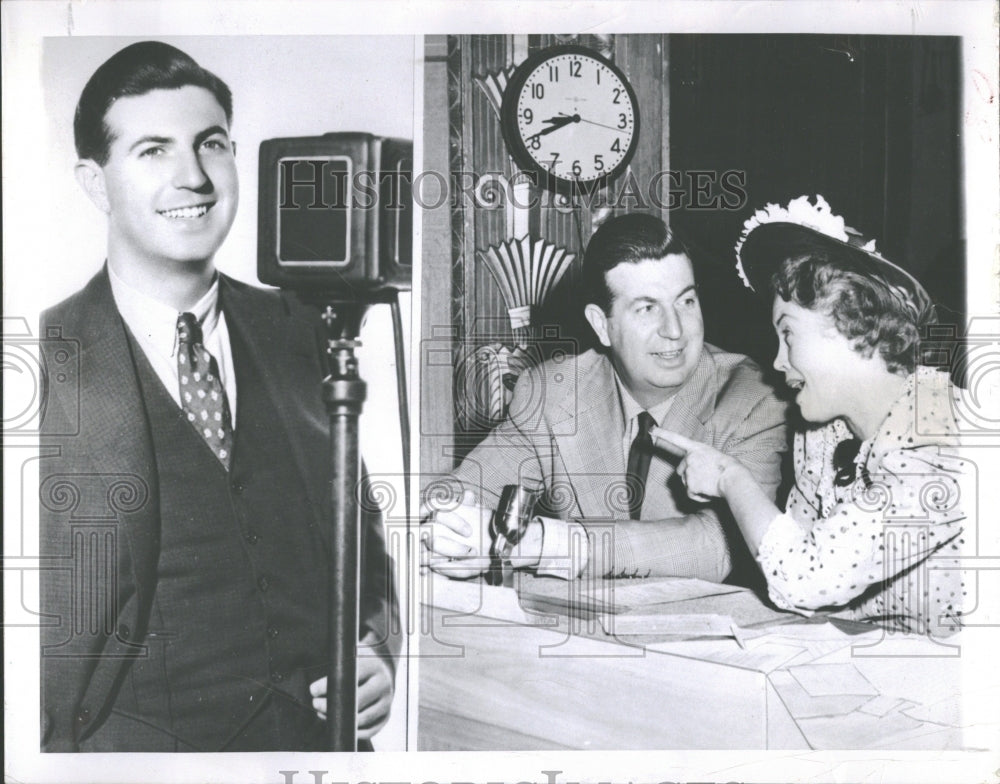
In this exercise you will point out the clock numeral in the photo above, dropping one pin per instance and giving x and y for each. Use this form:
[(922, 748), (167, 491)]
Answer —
[(622, 120), (599, 162), (598, 74), (616, 146), (618, 94), (577, 169), (553, 73), (555, 157), (574, 69), (528, 115), (537, 91), (535, 142)]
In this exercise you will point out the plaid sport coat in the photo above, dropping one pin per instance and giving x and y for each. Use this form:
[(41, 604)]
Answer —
[(564, 430)]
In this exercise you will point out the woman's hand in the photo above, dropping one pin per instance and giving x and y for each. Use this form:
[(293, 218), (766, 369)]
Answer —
[(708, 473), (703, 468)]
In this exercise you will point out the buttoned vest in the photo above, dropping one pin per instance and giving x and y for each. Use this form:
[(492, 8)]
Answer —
[(238, 626)]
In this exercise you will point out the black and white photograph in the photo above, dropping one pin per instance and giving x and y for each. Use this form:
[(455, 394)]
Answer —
[(192, 599), (502, 391), (705, 429)]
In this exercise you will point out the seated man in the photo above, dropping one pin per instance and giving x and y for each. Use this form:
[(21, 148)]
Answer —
[(185, 523), (580, 430)]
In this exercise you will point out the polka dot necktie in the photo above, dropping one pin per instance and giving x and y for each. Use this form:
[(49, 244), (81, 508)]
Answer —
[(202, 396)]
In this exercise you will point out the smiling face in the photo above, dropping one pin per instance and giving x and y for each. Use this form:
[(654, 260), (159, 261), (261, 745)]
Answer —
[(655, 329), (831, 378), (169, 186)]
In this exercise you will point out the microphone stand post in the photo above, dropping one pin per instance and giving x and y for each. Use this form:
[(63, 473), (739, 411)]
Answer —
[(344, 394)]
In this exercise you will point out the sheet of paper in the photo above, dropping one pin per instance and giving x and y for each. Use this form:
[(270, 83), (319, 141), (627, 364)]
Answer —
[(821, 680), (947, 712), (565, 597), (646, 592), (474, 602), (742, 606), (802, 705), (815, 640), (881, 705), (764, 658), (817, 632), (694, 625), (860, 731)]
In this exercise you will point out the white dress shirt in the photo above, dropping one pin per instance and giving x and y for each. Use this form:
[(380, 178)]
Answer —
[(154, 326), (630, 415)]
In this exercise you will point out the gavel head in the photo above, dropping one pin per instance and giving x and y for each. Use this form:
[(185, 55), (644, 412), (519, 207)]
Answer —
[(514, 512)]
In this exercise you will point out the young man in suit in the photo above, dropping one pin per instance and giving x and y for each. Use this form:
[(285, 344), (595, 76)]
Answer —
[(184, 521), (579, 430)]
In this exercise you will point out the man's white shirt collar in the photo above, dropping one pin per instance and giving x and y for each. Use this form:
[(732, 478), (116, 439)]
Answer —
[(154, 326), (631, 409), (155, 323)]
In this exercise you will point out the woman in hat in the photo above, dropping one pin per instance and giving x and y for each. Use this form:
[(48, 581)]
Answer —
[(875, 508)]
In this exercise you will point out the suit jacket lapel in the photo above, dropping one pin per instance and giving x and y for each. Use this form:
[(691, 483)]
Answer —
[(591, 451), (111, 453), (113, 422), (687, 415), (695, 401), (284, 350)]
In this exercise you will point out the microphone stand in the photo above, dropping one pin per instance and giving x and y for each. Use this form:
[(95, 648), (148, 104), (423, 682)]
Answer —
[(344, 394)]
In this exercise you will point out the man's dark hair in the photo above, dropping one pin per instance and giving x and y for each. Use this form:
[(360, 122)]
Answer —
[(624, 239), (137, 70)]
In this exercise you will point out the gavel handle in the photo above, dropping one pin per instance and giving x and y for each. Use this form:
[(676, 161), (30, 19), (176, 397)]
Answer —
[(516, 506), (494, 575)]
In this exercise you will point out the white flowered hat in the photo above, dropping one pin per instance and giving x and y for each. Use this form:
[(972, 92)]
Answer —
[(776, 233)]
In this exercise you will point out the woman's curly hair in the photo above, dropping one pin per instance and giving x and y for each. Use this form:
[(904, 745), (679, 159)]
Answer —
[(865, 307)]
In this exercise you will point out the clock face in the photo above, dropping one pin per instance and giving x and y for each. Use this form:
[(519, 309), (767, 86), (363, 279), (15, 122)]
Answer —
[(570, 115)]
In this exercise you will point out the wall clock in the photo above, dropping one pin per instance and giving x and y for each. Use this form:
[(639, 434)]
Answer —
[(571, 116)]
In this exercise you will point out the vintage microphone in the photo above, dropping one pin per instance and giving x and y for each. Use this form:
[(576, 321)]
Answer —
[(344, 395), (323, 238)]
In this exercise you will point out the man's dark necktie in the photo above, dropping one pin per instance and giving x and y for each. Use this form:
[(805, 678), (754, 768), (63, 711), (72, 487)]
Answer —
[(202, 395), (638, 464)]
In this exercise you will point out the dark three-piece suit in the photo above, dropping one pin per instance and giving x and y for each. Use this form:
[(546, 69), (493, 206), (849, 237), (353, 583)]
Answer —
[(184, 605)]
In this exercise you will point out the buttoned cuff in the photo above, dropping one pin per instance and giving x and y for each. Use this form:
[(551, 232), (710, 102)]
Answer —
[(565, 548)]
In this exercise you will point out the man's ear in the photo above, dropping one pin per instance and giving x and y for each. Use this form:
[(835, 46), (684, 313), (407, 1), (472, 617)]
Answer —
[(90, 176), (598, 321)]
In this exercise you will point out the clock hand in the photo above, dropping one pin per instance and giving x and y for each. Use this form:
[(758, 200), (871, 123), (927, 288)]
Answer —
[(602, 125), (557, 123)]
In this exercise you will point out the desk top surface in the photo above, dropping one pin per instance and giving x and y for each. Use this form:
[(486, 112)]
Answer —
[(834, 686)]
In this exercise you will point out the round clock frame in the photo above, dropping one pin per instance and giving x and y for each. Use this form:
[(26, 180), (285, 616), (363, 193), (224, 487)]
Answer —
[(531, 139)]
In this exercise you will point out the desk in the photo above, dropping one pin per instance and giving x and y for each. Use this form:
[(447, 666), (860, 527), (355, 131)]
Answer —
[(501, 671)]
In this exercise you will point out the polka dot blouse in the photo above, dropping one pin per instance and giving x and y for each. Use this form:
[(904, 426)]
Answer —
[(879, 548)]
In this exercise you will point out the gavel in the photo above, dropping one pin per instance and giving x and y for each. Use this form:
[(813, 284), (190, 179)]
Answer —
[(510, 521)]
